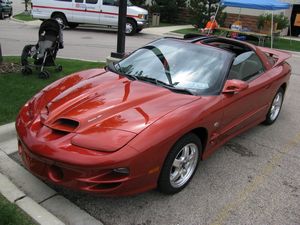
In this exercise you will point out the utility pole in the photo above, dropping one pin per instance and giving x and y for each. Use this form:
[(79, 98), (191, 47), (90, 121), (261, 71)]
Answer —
[(1, 57), (121, 30)]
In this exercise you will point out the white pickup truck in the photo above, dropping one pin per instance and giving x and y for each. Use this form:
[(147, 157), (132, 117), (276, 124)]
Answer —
[(99, 12)]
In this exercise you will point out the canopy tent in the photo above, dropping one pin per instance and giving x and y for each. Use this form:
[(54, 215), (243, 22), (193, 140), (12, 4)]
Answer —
[(257, 4)]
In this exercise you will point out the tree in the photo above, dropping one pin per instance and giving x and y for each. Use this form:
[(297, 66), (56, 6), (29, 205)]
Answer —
[(168, 9), (201, 10)]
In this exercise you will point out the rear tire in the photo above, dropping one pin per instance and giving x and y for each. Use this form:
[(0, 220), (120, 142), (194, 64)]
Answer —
[(59, 17), (73, 25), (44, 74), (10, 14), (1, 15), (275, 107), (180, 164)]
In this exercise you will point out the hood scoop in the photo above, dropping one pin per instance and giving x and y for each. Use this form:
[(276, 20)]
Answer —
[(65, 125)]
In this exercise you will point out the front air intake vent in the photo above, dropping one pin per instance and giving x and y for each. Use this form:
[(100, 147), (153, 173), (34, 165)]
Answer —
[(65, 125)]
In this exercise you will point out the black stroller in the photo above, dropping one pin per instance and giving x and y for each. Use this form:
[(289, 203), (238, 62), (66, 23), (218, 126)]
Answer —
[(44, 52)]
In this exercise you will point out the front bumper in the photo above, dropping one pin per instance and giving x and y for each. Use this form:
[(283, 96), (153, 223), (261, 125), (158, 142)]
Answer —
[(53, 158), (142, 24)]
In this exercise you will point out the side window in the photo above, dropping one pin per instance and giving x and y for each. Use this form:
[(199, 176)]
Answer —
[(79, 1), (246, 66), (108, 2), (91, 1), (64, 0)]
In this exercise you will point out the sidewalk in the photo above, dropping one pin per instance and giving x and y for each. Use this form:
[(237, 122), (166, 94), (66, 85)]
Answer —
[(44, 205), (162, 31)]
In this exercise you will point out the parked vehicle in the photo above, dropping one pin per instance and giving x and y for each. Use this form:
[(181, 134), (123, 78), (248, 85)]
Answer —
[(5, 9), (148, 120), (99, 12)]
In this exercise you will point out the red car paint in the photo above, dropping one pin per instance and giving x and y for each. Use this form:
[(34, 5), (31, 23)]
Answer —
[(79, 129)]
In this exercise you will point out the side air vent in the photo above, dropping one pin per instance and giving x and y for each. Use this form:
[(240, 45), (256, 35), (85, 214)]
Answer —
[(65, 125)]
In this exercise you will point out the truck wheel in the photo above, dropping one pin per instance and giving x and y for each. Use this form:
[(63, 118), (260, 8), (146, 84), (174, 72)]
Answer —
[(59, 17), (1, 15), (131, 27), (73, 25), (10, 13)]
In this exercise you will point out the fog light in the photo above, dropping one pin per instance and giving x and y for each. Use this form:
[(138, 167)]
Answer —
[(121, 170)]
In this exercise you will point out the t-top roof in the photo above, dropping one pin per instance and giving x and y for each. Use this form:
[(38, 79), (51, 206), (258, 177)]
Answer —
[(256, 4)]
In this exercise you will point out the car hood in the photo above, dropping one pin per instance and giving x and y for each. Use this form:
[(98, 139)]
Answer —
[(110, 101)]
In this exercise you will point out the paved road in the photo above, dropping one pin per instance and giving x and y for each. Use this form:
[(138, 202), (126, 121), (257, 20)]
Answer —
[(83, 43), (254, 179)]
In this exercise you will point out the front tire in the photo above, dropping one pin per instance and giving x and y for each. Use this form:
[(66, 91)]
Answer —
[(131, 27), (180, 164), (275, 107)]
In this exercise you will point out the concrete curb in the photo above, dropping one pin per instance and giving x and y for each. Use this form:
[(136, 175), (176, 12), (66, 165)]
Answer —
[(38, 213), (33, 196), (37, 199), (7, 132)]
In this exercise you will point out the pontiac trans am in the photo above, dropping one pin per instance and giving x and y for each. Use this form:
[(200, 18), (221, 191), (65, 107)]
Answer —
[(147, 121)]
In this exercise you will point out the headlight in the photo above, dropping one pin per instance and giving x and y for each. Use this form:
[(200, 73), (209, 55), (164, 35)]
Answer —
[(103, 139), (141, 16)]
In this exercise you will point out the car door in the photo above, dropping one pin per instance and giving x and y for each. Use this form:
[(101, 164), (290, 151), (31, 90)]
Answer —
[(248, 106), (79, 12), (109, 12), (93, 9)]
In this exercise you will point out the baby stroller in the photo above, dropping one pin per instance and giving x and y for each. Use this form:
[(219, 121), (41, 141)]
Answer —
[(44, 52)]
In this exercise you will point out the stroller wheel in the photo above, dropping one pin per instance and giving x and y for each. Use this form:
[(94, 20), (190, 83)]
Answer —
[(26, 71), (59, 68), (44, 74)]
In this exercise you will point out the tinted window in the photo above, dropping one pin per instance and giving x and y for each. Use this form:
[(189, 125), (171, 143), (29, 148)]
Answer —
[(108, 2), (91, 1), (184, 65), (246, 66), (79, 1), (64, 0)]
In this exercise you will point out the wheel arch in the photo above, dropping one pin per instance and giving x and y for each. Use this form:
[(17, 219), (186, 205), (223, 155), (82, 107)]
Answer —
[(202, 134), (284, 86), (58, 13)]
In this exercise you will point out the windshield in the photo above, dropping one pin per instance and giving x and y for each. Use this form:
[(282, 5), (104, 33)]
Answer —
[(199, 69), (129, 3)]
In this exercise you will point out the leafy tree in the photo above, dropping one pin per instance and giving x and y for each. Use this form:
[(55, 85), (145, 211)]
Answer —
[(202, 10), (168, 9), (138, 2)]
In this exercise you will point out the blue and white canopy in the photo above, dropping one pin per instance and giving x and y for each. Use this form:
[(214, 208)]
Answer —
[(256, 4)]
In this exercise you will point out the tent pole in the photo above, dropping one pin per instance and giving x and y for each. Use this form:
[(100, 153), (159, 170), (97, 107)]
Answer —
[(215, 17), (272, 29)]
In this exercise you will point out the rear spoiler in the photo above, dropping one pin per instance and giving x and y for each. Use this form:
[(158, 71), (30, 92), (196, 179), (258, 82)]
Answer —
[(281, 56)]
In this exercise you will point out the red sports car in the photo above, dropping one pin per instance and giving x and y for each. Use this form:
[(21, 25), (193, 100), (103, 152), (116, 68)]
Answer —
[(147, 121)]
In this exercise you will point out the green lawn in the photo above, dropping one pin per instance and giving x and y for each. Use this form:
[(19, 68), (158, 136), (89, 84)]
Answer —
[(10, 214), (24, 16), (279, 43), (16, 89)]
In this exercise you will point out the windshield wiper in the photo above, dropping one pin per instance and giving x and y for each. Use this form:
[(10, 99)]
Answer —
[(163, 84), (117, 69)]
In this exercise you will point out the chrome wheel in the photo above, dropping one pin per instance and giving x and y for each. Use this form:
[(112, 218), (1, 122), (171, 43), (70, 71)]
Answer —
[(129, 28), (184, 165), (276, 106)]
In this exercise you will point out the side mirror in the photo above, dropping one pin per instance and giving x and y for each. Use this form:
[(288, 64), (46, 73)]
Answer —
[(234, 86)]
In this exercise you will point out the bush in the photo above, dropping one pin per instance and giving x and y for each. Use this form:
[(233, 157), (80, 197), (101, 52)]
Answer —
[(281, 20)]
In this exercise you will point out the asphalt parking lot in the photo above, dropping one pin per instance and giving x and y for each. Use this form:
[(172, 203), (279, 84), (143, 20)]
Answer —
[(253, 179)]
